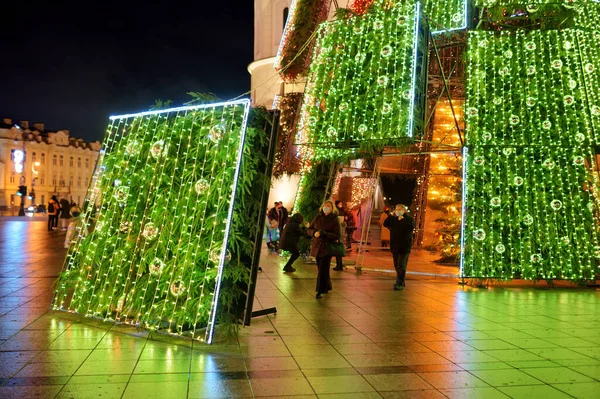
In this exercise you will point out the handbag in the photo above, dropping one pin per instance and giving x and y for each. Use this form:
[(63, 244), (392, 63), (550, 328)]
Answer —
[(335, 249)]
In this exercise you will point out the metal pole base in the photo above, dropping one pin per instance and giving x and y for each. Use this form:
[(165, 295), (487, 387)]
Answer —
[(264, 312)]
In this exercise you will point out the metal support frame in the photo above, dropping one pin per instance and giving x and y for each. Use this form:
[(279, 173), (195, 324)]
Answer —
[(437, 56), (364, 234), (260, 222)]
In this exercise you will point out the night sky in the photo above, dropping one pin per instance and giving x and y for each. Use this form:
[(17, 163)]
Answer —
[(72, 64)]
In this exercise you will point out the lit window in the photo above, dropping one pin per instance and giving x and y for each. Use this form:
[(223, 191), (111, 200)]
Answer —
[(286, 13)]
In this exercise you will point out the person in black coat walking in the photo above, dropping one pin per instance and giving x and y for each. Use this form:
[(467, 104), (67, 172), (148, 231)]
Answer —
[(401, 227), (325, 229), (292, 232)]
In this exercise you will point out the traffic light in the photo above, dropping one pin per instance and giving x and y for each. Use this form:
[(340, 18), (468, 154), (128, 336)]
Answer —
[(22, 191)]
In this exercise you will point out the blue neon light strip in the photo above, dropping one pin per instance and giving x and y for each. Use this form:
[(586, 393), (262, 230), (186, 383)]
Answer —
[(414, 72)]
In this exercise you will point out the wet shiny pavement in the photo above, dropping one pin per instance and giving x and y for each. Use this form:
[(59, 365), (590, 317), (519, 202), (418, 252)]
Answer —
[(436, 339)]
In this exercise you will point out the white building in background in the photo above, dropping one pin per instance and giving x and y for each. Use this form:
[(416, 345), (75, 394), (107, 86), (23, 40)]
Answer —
[(50, 163), (270, 17)]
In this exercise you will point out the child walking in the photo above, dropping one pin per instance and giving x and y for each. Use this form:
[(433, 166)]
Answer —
[(292, 232)]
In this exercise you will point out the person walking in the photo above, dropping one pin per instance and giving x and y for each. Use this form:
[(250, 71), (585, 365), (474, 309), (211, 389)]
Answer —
[(292, 232), (75, 213), (350, 227), (285, 215), (401, 227), (339, 263), (53, 209), (65, 213), (385, 232), (325, 229)]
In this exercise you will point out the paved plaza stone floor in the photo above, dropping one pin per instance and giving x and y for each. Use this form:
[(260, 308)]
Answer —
[(435, 339)]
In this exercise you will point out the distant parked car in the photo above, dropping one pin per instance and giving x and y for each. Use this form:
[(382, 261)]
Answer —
[(39, 208)]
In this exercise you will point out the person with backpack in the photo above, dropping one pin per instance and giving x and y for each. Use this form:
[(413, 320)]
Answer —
[(292, 232), (53, 209)]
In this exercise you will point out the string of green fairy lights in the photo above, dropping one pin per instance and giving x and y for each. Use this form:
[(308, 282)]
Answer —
[(531, 190), (360, 88), (154, 253), (446, 15)]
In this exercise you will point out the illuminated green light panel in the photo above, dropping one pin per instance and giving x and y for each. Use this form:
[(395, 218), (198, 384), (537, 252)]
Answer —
[(531, 206), (153, 255), (586, 12), (531, 213), (361, 81), (533, 87)]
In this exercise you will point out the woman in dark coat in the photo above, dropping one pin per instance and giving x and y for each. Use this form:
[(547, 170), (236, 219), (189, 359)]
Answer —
[(292, 232), (325, 228)]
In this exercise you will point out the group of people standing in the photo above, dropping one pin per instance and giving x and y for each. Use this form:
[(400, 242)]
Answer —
[(67, 211), (327, 231)]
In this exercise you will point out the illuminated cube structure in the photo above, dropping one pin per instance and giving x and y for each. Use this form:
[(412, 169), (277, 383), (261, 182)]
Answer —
[(364, 87), (530, 187), (154, 250)]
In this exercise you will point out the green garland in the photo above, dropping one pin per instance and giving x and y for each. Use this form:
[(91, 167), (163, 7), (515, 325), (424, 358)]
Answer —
[(293, 57), (288, 105)]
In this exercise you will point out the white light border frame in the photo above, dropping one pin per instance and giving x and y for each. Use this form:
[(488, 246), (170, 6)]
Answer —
[(208, 338), (464, 21), (414, 70), (463, 205)]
